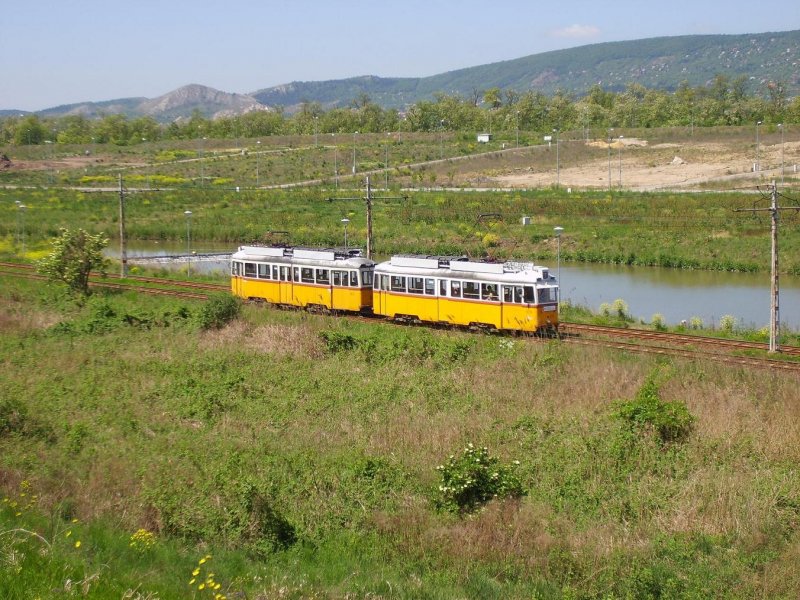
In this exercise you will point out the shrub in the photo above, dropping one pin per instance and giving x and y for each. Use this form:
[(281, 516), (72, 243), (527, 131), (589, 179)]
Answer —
[(727, 323), (336, 341), (658, 322), (218, 311), (620, 307), (472, 478), (671, 421)]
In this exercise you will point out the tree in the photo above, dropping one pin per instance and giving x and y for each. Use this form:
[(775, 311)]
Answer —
[(75, 254), (493, 97)]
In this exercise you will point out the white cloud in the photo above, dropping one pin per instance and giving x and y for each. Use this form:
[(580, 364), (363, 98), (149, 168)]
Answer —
[(577, 31)]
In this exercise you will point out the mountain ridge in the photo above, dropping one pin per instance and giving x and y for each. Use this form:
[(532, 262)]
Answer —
[(659, 63)]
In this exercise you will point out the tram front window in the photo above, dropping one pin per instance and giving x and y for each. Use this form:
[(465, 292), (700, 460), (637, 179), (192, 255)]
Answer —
[(547, 295), (529, 295)]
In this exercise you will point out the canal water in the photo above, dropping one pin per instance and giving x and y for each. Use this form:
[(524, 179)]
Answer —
[(676, 294), (679, 294)]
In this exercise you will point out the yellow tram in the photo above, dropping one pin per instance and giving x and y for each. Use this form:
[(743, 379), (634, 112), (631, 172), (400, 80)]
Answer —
[(316, 279), (457, 291)]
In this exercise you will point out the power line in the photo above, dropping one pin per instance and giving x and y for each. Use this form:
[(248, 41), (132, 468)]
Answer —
[(774, 210)]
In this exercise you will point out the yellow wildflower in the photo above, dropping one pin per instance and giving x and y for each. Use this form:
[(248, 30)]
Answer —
[(78, 544)]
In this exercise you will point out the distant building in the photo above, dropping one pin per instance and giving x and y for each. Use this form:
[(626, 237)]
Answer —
[(484, 138)]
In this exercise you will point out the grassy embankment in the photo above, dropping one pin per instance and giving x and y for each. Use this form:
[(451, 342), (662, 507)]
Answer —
[(695, 231), (301, 453)]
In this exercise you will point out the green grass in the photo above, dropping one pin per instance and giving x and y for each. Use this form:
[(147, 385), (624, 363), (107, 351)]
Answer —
[(300, 452), (688, 231)]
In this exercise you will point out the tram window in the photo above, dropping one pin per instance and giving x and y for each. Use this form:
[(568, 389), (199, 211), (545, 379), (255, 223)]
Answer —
[(430, 287), (234, 268), (354, 278), (337, 278), (547, 295), (518, 294), (284, 273), (415, 285), (471, 289), (489, 292), (508, 294), (296, 273), (367, 277), (443, 287), (529, 297), (275, 272), (306, 274), (398, 283), (263, 271), (323, 276), (455, 289), (249, 269), (384, 282)]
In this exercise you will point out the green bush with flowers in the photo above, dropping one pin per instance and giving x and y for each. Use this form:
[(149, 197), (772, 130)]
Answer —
[(473, 477)]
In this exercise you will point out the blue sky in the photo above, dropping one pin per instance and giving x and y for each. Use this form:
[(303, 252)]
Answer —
[(64, 51)]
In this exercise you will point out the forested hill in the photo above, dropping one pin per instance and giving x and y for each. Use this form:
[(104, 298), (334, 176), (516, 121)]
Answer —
[(657, 63), (660, 63)]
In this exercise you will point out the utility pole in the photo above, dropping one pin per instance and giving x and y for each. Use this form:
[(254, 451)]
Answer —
[(123, 252), (774, 210), (368, 201)]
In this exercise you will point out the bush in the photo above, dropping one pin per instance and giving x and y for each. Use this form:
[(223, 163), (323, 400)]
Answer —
[(672, 421), (658, 322), (472, 478), (727, 323), (336, 341), (220, 310)]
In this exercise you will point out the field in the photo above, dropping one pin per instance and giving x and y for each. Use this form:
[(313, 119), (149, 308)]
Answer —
[(301, 454), (147, 453), (638, 159)]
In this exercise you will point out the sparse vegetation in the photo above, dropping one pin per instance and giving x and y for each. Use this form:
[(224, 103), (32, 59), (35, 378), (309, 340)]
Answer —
[(300, 452)]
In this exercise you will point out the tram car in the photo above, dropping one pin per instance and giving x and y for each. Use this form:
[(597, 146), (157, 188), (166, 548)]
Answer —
[(319, 280), (457, 291)]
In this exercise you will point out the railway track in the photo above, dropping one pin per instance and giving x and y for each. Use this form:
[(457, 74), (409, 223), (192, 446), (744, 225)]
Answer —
[(189, 290), (675, 339), (718, 354), (629, 340)]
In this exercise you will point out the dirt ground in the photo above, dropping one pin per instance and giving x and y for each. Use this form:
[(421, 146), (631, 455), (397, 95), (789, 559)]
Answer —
[(634, 164), (631, 163)]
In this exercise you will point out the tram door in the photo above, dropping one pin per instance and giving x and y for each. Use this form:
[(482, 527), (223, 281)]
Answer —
[(381, 283), (286, 285), (236, 280)]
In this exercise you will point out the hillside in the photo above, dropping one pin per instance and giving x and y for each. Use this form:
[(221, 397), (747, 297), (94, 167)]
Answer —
[(661, 63), (178, 103)]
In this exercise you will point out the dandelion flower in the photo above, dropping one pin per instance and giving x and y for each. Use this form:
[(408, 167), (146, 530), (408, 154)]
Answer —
[(74, 520), (202, 586), (202, 560), (78, 544), (192, 581), (196, 572), (69, 533)]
